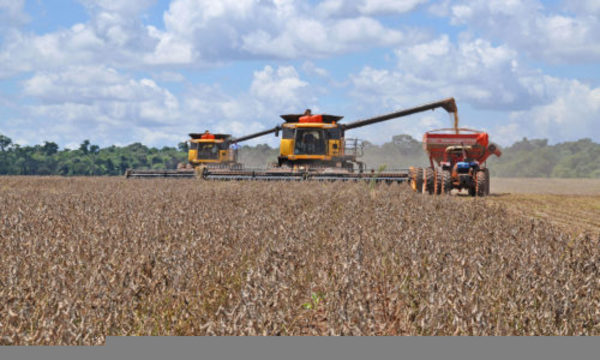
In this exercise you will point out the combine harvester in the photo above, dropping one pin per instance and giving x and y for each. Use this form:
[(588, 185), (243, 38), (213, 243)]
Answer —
[(314, 147), (457, 158), (206, 150)]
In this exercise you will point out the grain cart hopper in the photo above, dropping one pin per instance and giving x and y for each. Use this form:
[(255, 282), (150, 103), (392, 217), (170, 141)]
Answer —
[(314, 147), (457, 158), (204, 150)]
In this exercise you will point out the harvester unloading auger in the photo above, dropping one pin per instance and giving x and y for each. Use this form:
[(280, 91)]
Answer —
[(314, 147), (457, 158), (206, 150)]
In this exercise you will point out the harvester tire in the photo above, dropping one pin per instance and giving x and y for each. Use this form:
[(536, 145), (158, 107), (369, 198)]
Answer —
[(481, 183), (428, 180), (447, 182)]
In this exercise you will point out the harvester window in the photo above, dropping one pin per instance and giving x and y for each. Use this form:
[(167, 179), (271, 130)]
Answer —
[(287, 133), (193, 146), (208, 151), (309, 142), (334, 134)]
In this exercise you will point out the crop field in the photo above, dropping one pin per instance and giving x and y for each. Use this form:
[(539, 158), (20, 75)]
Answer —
[(86, 258), (571, 204)]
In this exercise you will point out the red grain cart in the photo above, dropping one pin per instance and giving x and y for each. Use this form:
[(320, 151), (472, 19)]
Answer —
[(457, 161)]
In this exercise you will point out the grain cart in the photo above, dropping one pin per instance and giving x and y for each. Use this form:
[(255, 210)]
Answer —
[(457, 159)]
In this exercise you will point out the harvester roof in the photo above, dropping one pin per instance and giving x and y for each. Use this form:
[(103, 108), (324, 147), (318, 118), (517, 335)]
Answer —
[(294, 118), (197, 136)]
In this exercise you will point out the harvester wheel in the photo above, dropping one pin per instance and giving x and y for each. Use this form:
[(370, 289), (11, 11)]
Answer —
[(482, 183), (411, 178), (446, 181), (415, 178), (428, 180)]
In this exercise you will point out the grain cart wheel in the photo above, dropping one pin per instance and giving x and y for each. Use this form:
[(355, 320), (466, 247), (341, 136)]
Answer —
[(481, 183), (428, 180), (447, 182), (437, 187)]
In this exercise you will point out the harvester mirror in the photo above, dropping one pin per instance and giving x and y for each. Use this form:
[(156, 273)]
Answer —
[(277, 133)]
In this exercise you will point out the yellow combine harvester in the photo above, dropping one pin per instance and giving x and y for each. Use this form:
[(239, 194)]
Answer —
[(314, 147), (211, 150), (206, 150)]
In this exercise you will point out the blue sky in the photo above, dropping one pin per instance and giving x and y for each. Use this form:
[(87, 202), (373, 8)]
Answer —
[(118, 72)]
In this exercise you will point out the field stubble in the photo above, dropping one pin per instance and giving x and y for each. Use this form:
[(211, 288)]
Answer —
[(571, 204), (86, 258)]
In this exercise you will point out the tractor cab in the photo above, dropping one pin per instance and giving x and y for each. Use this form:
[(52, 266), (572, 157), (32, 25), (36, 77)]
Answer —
[(458, 158)]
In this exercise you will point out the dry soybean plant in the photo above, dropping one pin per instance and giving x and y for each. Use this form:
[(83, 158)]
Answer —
[(86, 258)]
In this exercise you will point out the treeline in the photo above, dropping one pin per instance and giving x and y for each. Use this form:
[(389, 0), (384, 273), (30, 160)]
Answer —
[(535, 158), (525, 158), (88, 159)]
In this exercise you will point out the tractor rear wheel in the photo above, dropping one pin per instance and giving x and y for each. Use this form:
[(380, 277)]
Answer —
[(481, 183), (447, 182), (487, 174), (428, 181)]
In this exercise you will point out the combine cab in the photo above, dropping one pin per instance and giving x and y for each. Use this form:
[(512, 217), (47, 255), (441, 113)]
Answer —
[(314, 147), (457, 158)]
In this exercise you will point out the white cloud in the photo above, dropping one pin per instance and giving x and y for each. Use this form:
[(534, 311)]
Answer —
[(572, 114), (209, 31), (103, 104), (169, 76), (281, 88), (473, 70), (309, 38), (584, 7), (123, 7), (110, 107), (311, 69), (113, 36), (12, 14), (488, 78), (528, 26), (346, 8), (198, 33)]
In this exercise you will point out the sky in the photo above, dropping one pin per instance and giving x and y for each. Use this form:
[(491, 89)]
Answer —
[(152, 71)]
